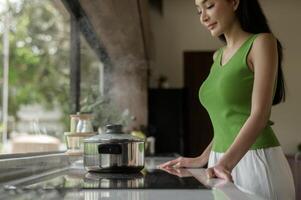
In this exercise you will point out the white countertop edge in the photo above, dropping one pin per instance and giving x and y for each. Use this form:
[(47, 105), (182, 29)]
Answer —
[(229, 189)]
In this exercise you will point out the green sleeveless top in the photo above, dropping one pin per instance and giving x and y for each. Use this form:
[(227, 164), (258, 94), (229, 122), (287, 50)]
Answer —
[(226, 95)]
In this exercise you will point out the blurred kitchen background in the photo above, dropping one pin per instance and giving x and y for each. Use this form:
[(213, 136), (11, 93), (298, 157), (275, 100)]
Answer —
[(135, 62)]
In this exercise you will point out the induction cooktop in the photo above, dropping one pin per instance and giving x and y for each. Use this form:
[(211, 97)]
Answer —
[(77, 178)]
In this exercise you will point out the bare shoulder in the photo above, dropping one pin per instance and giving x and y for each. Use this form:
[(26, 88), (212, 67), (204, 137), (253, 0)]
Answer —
[(265, 40), (264, 47), (215, 54)]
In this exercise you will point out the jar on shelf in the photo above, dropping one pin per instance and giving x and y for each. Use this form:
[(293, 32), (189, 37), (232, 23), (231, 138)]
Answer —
[(84, 124)]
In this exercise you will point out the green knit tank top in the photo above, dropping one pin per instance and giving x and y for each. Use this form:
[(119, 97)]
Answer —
[(226, 95)]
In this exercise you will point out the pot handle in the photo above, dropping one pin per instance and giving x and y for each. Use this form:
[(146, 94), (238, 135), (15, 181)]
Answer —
[(109, 149)]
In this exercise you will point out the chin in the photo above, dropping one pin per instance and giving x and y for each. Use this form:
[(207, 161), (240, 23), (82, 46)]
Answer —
[(216, 33)]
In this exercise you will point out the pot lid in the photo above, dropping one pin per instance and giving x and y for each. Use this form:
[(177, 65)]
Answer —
[(113, 133)]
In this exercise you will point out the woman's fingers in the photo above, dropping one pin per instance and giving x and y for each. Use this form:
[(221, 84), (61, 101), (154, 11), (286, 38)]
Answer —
[(219, 173), (169, 170), (223, 174), (177, 165), (210, 173), (170, 163)]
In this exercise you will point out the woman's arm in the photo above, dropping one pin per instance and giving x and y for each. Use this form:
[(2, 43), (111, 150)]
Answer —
[(265, 64), (199, 161), (204, 157)]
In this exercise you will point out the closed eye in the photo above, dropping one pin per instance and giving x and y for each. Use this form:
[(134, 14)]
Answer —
[(210, 6)]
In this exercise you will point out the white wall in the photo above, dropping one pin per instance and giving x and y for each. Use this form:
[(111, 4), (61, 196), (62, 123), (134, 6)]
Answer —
[(179, 30)]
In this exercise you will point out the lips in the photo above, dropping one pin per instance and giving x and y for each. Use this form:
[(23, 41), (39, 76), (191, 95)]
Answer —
[(211, 26)]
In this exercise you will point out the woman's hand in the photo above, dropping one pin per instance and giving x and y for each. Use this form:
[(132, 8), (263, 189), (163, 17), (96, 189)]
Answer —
[(183, 162), (180, 172), (219, 171)]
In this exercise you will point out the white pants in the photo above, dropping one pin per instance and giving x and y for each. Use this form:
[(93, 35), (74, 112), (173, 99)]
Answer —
[(264, 172)]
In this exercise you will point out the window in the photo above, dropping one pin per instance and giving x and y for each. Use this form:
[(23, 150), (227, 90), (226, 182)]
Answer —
[(92, 88), (38, 75)]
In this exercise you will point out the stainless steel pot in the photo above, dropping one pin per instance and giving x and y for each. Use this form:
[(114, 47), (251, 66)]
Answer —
[(114, 151)]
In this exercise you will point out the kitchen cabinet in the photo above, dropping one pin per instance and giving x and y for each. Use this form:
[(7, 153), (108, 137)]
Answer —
[(176, 118), (166, 118), (198, 127)]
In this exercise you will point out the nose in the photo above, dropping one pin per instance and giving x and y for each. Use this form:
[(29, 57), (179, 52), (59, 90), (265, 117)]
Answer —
[(204, 16)]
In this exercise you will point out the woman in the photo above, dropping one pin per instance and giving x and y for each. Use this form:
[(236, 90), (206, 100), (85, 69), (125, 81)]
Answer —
[(244, 82)]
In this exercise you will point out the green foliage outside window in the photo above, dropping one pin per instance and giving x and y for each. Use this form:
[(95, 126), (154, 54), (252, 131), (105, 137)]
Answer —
[(39, 55)]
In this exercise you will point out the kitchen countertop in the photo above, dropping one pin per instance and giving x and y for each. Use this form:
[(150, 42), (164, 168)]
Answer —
[(215, 189)]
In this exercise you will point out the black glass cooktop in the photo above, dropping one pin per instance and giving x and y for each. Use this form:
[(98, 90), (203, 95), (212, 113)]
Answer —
[(76, 177), (80, 179)]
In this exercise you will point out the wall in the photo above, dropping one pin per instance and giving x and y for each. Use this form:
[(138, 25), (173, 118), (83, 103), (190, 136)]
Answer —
[(178, 29), (118, 26)]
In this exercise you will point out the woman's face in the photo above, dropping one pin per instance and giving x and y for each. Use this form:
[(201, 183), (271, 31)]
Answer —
[(216, 15)]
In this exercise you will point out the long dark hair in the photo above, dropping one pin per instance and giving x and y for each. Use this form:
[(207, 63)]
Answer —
[(253, 20)]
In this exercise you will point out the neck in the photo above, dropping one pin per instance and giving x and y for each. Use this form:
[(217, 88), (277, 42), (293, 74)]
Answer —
[(235, 35)]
